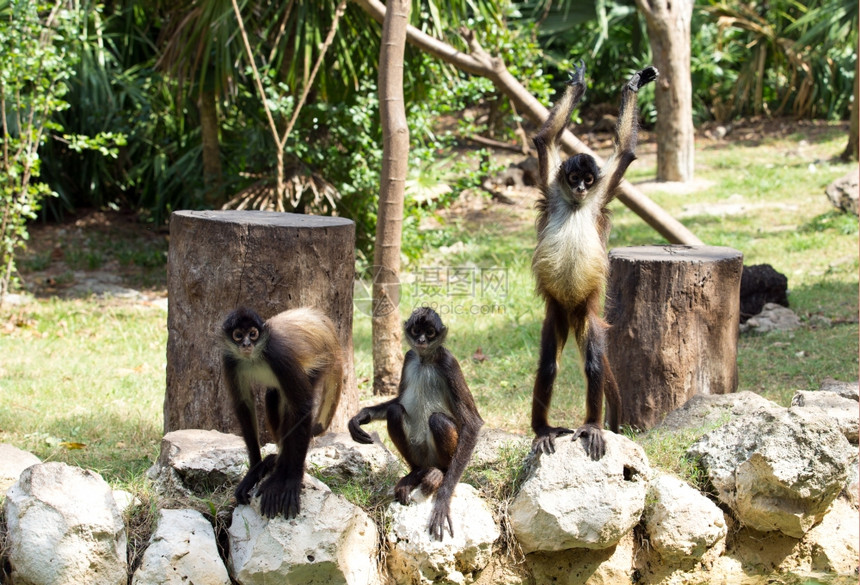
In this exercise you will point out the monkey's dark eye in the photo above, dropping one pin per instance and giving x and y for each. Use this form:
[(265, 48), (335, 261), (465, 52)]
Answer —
[(589, 179), (431, 333), (237, 335), (253, 334)]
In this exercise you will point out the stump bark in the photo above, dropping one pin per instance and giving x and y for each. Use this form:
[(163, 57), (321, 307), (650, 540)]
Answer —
[(674, 313), (269, 262)]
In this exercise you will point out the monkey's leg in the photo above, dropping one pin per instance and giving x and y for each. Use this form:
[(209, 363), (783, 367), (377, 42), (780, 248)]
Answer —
[(596, 373), (397, 431), (445, 437), (280, 492), (553, 337), (613, 396)]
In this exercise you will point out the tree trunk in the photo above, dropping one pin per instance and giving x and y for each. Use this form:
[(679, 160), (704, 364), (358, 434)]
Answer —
[(209, 128), (479, 62), (269, 262), (387, 354), (669, 33), (674, 313), (851, 150)]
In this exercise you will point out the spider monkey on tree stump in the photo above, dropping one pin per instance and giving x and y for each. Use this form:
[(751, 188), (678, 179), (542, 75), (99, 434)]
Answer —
[(570, 261)]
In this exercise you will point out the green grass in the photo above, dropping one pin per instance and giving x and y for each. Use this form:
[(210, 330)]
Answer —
[(90, 373), (82, 381)]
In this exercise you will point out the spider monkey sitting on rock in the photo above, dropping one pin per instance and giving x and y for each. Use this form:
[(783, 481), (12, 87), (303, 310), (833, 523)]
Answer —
[(570, 261), (433, 421)]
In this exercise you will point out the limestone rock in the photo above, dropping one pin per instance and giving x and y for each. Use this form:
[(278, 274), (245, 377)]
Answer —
[(843, 192), (833, 544), (330, 541), (64, 528), (773, 317), (844, 389), (193, 461), (776, 469), (415, 559), (338, 454), (710, 410), (569, 501), (842, 410), (182, 550), (681, 522), (609, 566), (495, 444), (12, 462)]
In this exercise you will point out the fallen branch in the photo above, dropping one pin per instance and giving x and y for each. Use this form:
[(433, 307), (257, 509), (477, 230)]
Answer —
[(479, 62)]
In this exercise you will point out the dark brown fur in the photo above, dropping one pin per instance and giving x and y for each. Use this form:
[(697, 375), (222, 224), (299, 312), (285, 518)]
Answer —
[(296, 355), (570, 261), (433, 421)]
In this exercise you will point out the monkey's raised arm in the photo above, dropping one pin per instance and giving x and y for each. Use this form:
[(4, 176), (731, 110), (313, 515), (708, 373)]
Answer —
[(470, 422), (626, 131), (546, 140)]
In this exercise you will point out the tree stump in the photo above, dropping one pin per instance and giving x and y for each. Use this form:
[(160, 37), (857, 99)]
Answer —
[(269, 262), (674, 313)]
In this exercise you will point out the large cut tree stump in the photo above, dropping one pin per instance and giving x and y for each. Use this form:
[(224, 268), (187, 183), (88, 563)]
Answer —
[(269, 262), (674, 313)]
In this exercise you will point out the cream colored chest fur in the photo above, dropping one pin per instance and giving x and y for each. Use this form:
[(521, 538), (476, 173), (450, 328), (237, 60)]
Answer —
[(570, 259)]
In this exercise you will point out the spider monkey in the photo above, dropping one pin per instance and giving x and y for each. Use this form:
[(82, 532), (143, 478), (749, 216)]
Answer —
[(433, 421), (296, 356), (570, 261)]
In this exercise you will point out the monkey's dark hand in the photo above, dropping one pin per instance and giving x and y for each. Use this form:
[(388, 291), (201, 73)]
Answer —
[(358, 434), (595, 446), (643, 78), (439, 516), (245, 490), (544, 442), (279, 495), (578, 75)]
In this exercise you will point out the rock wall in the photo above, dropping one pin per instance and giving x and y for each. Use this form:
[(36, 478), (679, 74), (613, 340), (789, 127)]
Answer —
[(781, 497)]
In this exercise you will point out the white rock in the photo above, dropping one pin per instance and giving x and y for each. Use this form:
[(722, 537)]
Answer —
[(338, 454), (569, 501), (580, 566), (844, 389), (181, 551), (194, 460), (330, 541), (833, 544), (705, 411), (777, 469), (64, 528), (681, 522), (12, 462), (415, 558), (842, 410), (773, 317), (124, 500)]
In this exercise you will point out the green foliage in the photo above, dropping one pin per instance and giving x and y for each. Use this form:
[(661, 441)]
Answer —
[(38, 60)]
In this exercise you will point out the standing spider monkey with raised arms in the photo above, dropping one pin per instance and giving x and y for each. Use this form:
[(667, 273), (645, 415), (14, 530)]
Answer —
[(433, 421), (570, 261)]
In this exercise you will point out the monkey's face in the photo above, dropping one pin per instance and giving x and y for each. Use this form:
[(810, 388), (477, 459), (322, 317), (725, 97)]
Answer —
[(580, 173), (245, 339), (242, 331), (424, 330)]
